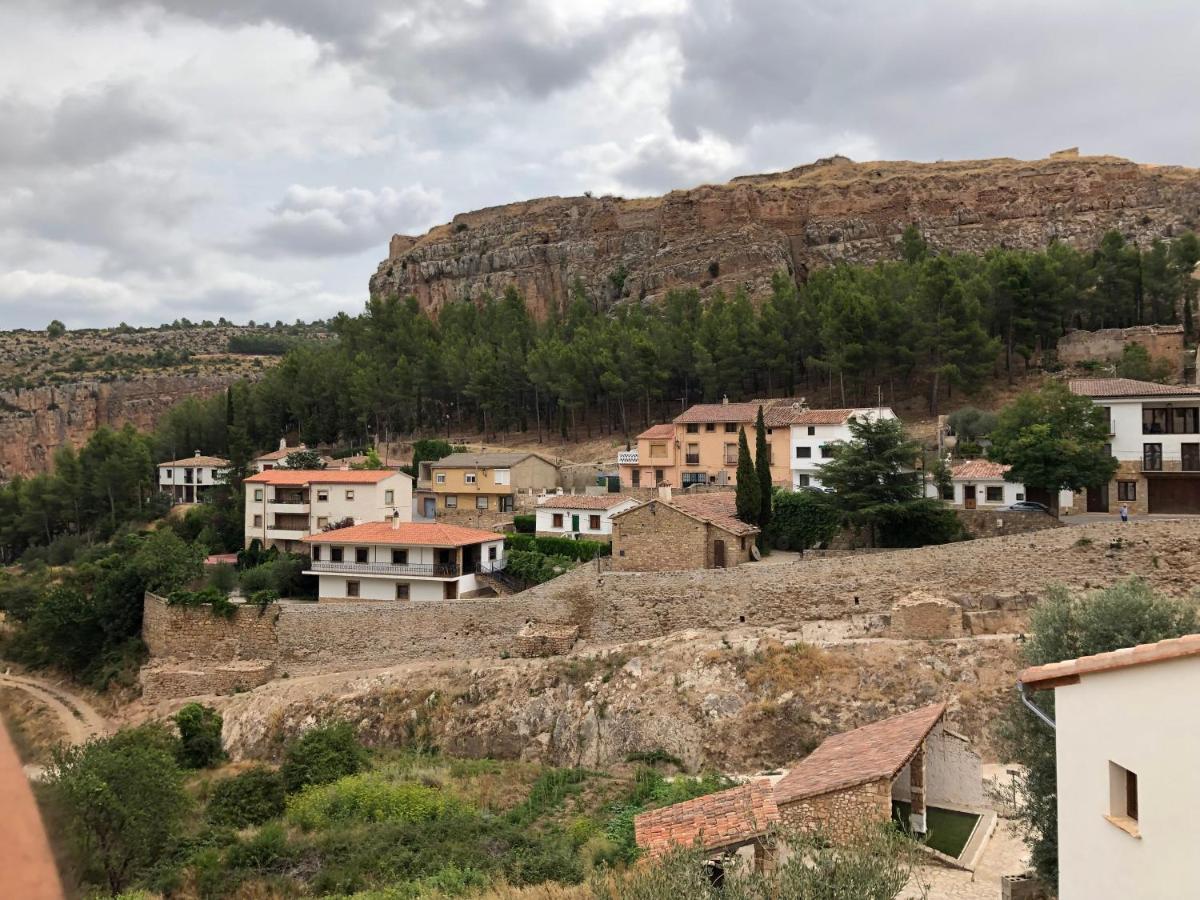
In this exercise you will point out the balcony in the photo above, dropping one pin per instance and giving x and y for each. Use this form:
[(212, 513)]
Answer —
[(692, 459), (627, 457), (421, 570), (284, 508), (286, 534)]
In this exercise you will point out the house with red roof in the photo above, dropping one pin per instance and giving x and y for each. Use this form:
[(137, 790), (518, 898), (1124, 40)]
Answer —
[(813, 435), (395, 560), (674, 532), (587, 516)]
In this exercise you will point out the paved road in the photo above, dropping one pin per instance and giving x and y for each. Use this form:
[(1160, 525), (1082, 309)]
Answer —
[(79, 719)]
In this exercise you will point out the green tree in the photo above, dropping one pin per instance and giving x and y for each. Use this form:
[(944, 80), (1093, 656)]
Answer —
[(748, 495), (1054, 440), (951, 337), (303, 459), (165, 562), (1136, 363), (762, 467), (322, 755), (199, 736), (803, 519), (1067, 627), (913, 248), (56, 329)]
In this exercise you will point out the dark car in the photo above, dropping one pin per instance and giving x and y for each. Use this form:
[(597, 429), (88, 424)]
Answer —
[(1030, 506)]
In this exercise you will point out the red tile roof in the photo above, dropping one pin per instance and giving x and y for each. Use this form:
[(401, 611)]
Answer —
[(979, 469), (1049, 675), (1128, 387), (405, 534), (295, 477), (214, 461), (724, 819), (584, 501), (744, 413), (658, 432), (719, 508), (867, 754)]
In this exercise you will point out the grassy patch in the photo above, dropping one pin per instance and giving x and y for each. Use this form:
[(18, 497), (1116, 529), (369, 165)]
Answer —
[(947, 830)]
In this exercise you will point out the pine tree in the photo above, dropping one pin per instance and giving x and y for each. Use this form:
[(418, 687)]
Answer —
[(762, 465), (748, 499)]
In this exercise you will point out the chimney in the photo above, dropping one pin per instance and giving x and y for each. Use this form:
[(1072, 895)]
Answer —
[(283, 443), (197, 453), (395, 520), (724, 399), (664, 492)]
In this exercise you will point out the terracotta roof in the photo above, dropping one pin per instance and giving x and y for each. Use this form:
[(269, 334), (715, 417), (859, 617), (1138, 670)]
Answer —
[(722, 412), (718, 820), (406, 534), (278, 454), (1051, 674), (719, 508), (214, 461), (658, 432), (867, 754), (1128, 387), (221, 559), (323, 476), (981, 469), (485, 460), (584, 501)]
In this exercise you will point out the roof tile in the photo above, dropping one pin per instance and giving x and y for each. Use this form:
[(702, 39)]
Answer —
[(719, 508), (584, 501), (723, 819), (297, 477), (405, 534), (1142, 654), (981, 469), (1129, 387)]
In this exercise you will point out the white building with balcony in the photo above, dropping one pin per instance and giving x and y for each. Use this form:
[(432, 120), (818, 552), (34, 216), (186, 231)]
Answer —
[(1155, 438), (284, 506), (403, 561), (585, 516), (814, 431), (191, 479)]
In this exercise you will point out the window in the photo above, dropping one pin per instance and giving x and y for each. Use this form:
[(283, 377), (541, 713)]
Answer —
[(350, 495), (635, 476), (335, 554), (731, 454), (469, 478), (826, 451), (557, 520), (322, 522), (399, 557), (258, 521), (501, 476), (351, 588), (658, 477), (690, 478), (804, 453), (594, 523), (1189, 457), (316, 553), (1126, 490), (1152, 457), (658, 451), (812, 429), (693, 428), (389, 498), (451, 501), (170, 473), (505, 503), (731, 427), (323, 496), (692, 457), (481, 502), (362, 554), (258, 495), (492, 552), (440, 477), (1123, 798), (710, 426), (1175, 420), (803, 481), (995, 494), (401, 591)]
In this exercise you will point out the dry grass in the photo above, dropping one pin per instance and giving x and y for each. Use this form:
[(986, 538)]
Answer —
[(777, 668)]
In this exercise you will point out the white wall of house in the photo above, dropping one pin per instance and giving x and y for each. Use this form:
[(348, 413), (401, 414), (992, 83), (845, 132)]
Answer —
[(545, 520), (325, 503), (1001, 493), (1142, 719), (1128, 438), (378, 588), (810, 442), (953, 778)]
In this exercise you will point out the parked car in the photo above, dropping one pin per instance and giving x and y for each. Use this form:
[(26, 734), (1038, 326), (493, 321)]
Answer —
[(1029, 506)]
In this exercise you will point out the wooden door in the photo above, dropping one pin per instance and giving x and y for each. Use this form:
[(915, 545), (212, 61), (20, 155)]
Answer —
[(719, 554), (1097, 499), (450, 592), (969, 496)]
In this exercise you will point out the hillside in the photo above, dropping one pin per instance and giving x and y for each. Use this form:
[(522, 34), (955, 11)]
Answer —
[(738, 234)]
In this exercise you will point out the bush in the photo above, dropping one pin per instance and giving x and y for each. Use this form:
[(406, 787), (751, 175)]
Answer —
[(525, 524), (119, 803), (322, 755), (918, 523), (223, 578), (199, 736), (802, 520), (555, 546), (535, 568), (365, 798), (251, 798)]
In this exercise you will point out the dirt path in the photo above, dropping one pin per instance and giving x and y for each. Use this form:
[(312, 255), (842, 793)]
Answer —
[(80, 720)]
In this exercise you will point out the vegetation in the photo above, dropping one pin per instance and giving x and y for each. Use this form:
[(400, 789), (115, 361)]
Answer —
[(525, 524), (303, 459), (1067, 627), (249, 798), (1136, 363), (581, 550), (322, 755), (534, 567), (747, 496), (803, 519), (762, 469), (1054, 439), (199, 736)]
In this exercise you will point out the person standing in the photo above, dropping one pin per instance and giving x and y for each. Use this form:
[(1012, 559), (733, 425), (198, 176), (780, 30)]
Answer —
[(1124, 513)]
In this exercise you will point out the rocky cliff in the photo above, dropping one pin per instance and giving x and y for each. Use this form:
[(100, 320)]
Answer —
[(36, 421), (737, 234)]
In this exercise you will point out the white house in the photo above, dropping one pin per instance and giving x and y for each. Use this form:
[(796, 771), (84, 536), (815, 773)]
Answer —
[(582, 515), (980, 484), (1155, 433), (283, 506), (397, 560), (1128, 741), (814, 430), (190, 480)]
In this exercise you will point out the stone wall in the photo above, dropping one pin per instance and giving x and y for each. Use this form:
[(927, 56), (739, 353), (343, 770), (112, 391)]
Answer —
[(181, 632), (983, 523), (657, 538), (923, 616), (1107, 344), (167, 680), (841, 814), (536, 640)]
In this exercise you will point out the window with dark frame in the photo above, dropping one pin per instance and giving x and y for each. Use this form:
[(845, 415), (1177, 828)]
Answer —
[(693, 428), (402, 592), (812, 429), (362, 555), (399, 557), (335, 554), (995, 494), (826, 451), (594, 523), (804, 453), (710, 426), (1126, 490), (557, 520), (351, 588), (1152, 457), (1189, 457), (731, 427)]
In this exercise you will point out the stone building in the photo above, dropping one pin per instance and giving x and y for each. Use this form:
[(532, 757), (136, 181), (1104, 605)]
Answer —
[(673, 533)]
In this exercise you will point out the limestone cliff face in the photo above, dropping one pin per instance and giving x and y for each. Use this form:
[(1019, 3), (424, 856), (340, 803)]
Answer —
[(737, 234), (34, 422)]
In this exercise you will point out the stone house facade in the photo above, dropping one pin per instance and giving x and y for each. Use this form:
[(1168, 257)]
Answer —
[(670, 534)]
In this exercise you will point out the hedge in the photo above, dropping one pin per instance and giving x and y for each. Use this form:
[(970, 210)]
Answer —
[(555, 546), (525, 524)]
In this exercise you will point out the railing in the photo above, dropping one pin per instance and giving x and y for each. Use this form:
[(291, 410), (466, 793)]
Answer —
[(692, 459), (432, 570), (627, 457), (488, 566)]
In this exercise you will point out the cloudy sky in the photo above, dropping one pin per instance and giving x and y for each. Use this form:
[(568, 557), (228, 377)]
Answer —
[(251, 158)]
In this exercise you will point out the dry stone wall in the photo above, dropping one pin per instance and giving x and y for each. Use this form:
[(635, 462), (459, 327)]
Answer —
[(926, 617), (840, 815), (181, 632), (983, 523)]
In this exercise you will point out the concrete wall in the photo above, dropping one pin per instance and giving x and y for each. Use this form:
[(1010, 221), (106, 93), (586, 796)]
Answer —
[(367, 505), (802, 440), (545, 521), (1141, 719)]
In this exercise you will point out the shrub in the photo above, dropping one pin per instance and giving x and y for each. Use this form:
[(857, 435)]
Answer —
[(250, 798), (535, 568), (802, 519), (322, 755), (525, 524), (223, 578), (199, 736), (918, 523), (368, 797), (556, 546)]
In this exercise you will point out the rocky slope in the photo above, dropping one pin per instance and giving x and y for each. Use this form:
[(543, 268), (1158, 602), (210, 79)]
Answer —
[(737, 234)]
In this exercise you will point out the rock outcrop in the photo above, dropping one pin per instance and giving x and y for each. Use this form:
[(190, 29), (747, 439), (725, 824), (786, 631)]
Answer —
[(738, 234)]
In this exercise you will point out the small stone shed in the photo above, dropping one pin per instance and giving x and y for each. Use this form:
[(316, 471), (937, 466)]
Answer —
[(848, 782), (675, 533)]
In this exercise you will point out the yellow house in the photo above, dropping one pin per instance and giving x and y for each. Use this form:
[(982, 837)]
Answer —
[(488, 481)]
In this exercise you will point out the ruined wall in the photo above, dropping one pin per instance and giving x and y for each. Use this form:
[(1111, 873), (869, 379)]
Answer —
[(840, 815), (166, 680), (1107, 344), (985, 523), (926, 617), (181, 632)]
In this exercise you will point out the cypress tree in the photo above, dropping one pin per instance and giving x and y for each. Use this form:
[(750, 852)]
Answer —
[(747, 497), (762, 465)]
